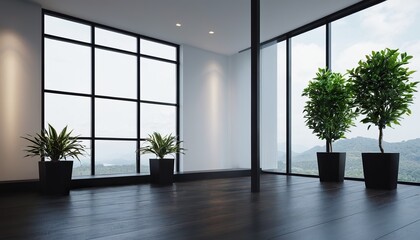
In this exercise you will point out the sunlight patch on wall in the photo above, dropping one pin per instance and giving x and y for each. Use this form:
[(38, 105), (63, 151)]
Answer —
[(11, 52)]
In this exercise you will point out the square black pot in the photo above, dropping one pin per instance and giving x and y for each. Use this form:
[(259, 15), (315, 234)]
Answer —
[(55, 177), (381, 170), (161, 171), (331, 166)]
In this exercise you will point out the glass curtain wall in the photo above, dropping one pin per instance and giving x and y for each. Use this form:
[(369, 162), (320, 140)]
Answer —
[(308, 54), (388, 24), (112, 87)]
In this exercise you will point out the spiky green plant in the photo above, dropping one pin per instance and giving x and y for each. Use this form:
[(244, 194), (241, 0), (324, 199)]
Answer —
[(161, 145), (56, 146), (383, 90)]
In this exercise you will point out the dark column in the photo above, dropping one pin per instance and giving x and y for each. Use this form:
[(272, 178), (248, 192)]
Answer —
[(328, 62), (328, 45), (255, 88), (138, 145), (92, 108)]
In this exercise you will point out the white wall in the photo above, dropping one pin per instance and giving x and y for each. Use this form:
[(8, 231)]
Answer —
[(205, 110), (216, 109), (20, 86), (216, 113), (240, 109)]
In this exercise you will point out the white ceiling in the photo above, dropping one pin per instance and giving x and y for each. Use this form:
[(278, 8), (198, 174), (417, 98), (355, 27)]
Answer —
[(229, 19)]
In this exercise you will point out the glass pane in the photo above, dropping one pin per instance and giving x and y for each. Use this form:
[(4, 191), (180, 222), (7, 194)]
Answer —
[(281, 107), (158, 81), (144, 161), (67, 67), (67, 29), (357, 35), (116, 74), (157, 49), (273, 108), (308, 54), (82, 167), (115, 157), (115, 118), (72, 111), (115, 40), (157, 118)]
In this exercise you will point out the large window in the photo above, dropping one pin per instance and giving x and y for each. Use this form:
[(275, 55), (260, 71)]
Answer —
[(112, 87), (393, 25), (308, 54), (273, 106), (387, 24)]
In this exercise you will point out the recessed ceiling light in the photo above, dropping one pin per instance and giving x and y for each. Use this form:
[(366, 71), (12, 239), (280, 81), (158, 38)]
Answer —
[(211, 32), (178, 24)]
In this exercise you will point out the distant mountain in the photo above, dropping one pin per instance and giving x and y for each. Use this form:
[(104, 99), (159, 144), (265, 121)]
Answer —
[(409, 150)]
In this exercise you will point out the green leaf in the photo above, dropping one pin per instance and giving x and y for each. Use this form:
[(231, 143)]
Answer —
[(382, 87), (161, 145), (329, 110), (53, 145)]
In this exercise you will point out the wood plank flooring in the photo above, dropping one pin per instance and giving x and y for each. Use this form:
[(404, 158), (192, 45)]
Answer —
[(288, 207)]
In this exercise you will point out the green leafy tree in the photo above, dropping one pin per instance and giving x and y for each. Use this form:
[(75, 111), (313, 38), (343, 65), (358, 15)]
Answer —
[(51, 144), (328, 111), (161, 145), (383, 90)]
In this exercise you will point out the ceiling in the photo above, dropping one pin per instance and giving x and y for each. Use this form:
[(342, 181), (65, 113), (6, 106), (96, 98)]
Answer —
[(229, 19)]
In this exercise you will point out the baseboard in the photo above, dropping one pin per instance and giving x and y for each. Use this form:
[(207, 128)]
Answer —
[(205, 175), (19, 186), (117, 180), (109, 180)]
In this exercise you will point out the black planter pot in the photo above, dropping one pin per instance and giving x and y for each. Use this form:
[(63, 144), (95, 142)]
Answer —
[(331, 166), (381, 170), (55, 177), (161, 171)]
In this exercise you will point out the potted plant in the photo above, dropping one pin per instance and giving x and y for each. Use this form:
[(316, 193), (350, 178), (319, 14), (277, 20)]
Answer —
[(383, 94), (329, 113), (54, 175), (161, 169)]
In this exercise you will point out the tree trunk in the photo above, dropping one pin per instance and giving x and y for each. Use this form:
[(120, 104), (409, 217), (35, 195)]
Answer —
[(380, 139), (329, 146)]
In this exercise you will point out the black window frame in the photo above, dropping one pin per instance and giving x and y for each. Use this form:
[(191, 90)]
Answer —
[(287, 37), (93, 96)]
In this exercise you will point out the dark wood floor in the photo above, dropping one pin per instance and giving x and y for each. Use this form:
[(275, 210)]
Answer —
[(286, 208)]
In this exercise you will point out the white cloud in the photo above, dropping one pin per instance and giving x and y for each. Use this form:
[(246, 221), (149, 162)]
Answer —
[(349, 57), (306, 59), (391, 18)]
